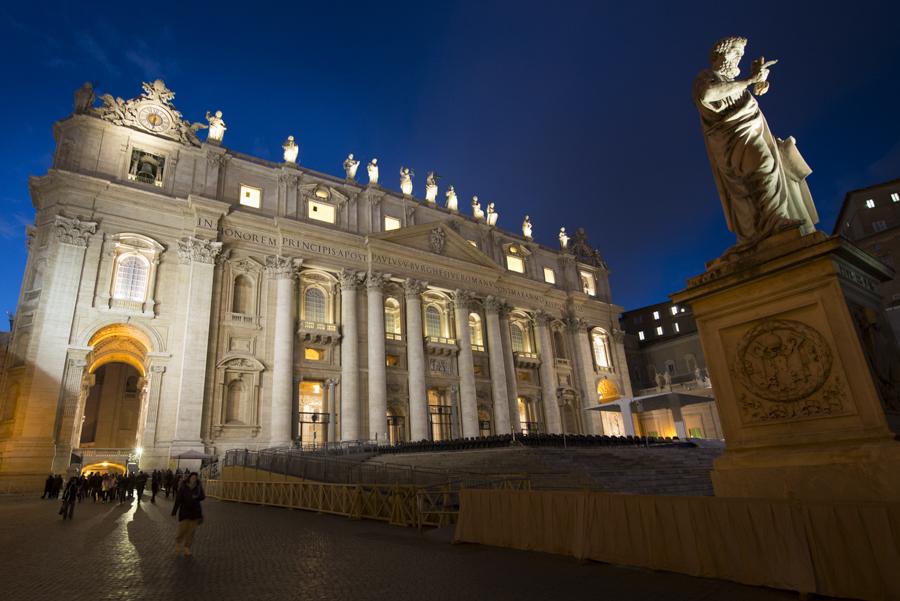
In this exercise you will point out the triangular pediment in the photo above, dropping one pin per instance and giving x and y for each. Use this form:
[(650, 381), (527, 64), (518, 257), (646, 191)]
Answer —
[(435, 239)]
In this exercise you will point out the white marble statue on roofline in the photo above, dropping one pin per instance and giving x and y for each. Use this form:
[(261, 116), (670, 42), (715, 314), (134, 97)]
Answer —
[(431, 187), (477, 211), (350, 167), (761, 179), (216, 127), (291, 150), (452, 200), (527, 228), (406, 181), (372, 169), (492, 214), (563, 239)]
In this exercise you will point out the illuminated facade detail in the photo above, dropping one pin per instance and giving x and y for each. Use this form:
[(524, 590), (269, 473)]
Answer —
[(305, 320), (251, 197)]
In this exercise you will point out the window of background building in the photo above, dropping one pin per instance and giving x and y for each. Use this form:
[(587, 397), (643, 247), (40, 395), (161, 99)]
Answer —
[(588, 284), (549, 275), (131, 278), (656, 315), (870, 203), (659, 330), (391, 223), (641, 335), (674, 310), (321, 211), (677, 329), (250, 196), (895, 196), (514, 263), (880, 225)]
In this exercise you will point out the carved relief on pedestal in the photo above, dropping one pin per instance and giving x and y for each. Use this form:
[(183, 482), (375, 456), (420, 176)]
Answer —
[(783, 371)]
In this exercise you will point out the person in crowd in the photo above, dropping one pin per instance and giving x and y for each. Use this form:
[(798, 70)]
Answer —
[(48, 487), (190, 514), (57, 485), (155, 478), (170, 482), (69, 496), (140, 482)]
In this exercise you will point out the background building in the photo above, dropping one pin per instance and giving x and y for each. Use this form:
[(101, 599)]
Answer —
[(870, 218), (181, 297)]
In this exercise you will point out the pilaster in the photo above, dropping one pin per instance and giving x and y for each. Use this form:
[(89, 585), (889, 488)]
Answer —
[(283, 270), (376, 356), (552, 422), (466, 368), (350, 430), (499, 391), (415, 358)]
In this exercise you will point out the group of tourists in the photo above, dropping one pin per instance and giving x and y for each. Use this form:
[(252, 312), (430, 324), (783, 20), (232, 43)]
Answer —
[(184, 488)]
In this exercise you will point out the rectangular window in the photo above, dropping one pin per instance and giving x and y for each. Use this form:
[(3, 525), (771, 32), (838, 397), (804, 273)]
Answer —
[(588, 284), (321, 211), (656, 315), (549, 275), (641, 335), (312, 354), (895, 196), (870, 203), (391, 360), (674, 310), (514, 263), (880, 225), (391, 223), (659, 331), (251, 197)]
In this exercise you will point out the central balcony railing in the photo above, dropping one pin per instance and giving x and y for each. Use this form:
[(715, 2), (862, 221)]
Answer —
[(317, 325)]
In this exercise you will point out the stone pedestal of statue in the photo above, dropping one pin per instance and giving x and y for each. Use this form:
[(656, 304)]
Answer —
[(805, 370)]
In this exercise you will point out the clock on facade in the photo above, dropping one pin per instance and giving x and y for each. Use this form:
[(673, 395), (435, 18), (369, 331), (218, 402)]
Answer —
[(155, 118)]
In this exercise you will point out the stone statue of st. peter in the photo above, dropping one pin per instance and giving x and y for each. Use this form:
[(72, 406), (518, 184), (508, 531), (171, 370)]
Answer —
[(760, 179)]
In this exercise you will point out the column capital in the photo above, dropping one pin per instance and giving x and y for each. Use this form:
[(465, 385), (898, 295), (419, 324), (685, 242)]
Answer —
[(617, 334), (542, 318), (414, 288), (350, 279), (73, 230), (376, 281), (198, 250), (575, 324), (494, 304), (280, 268), (462, 299)]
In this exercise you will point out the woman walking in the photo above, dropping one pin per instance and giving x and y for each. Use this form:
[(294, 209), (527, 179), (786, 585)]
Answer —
[(190, 514), (69, 496)]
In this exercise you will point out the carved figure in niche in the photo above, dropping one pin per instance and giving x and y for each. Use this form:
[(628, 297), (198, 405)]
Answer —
[(216, 127), (372, 168), (492, 214), (452, 201), (477, 212), (667, 378), (436, 240), (526, 228), (84, 98), (291, 150), (431, 187), (406, 185), (660, 382), (563, 239), (761, 180), (350, 167)]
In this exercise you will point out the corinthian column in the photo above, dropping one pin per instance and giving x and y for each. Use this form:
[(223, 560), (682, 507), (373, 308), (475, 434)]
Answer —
[(509, 369), (283, 270), (548, 375), (468, 401), (415, 359), (350, 281), (377, 368), (499, 390), (197, 258), (584, 366)]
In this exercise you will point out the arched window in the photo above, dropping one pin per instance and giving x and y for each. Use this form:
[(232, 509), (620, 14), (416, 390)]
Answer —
[(517, 337), (131, 278), (234, 402), (433, 322), (600, 344), (240, 299), (314, 305), (392, 316), (475, 331)]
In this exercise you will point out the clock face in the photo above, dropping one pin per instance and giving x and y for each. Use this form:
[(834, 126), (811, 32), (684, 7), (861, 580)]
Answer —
[(155, 119)]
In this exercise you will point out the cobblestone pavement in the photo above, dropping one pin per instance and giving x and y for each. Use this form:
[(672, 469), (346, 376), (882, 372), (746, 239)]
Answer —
[(266, 553)]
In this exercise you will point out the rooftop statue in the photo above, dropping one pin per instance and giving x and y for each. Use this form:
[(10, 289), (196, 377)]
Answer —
[(372, 168), (84, 98), (406, 180), (350, 167), (477, 213), (216, 127), (760, 178), (526, 228), (291, 150), (563, 238), (492, 215), (431, 187), (452, 201)]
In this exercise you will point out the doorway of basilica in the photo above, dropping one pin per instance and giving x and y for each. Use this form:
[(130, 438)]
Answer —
[(440, 414), (312, 427)]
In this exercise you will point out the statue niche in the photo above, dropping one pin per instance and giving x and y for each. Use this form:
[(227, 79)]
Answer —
[(236, 401)]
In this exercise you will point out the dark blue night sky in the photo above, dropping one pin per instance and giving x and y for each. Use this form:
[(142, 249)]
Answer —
[(577, 113)]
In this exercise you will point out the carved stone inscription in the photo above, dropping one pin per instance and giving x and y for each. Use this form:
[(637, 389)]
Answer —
[(783, 369)]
